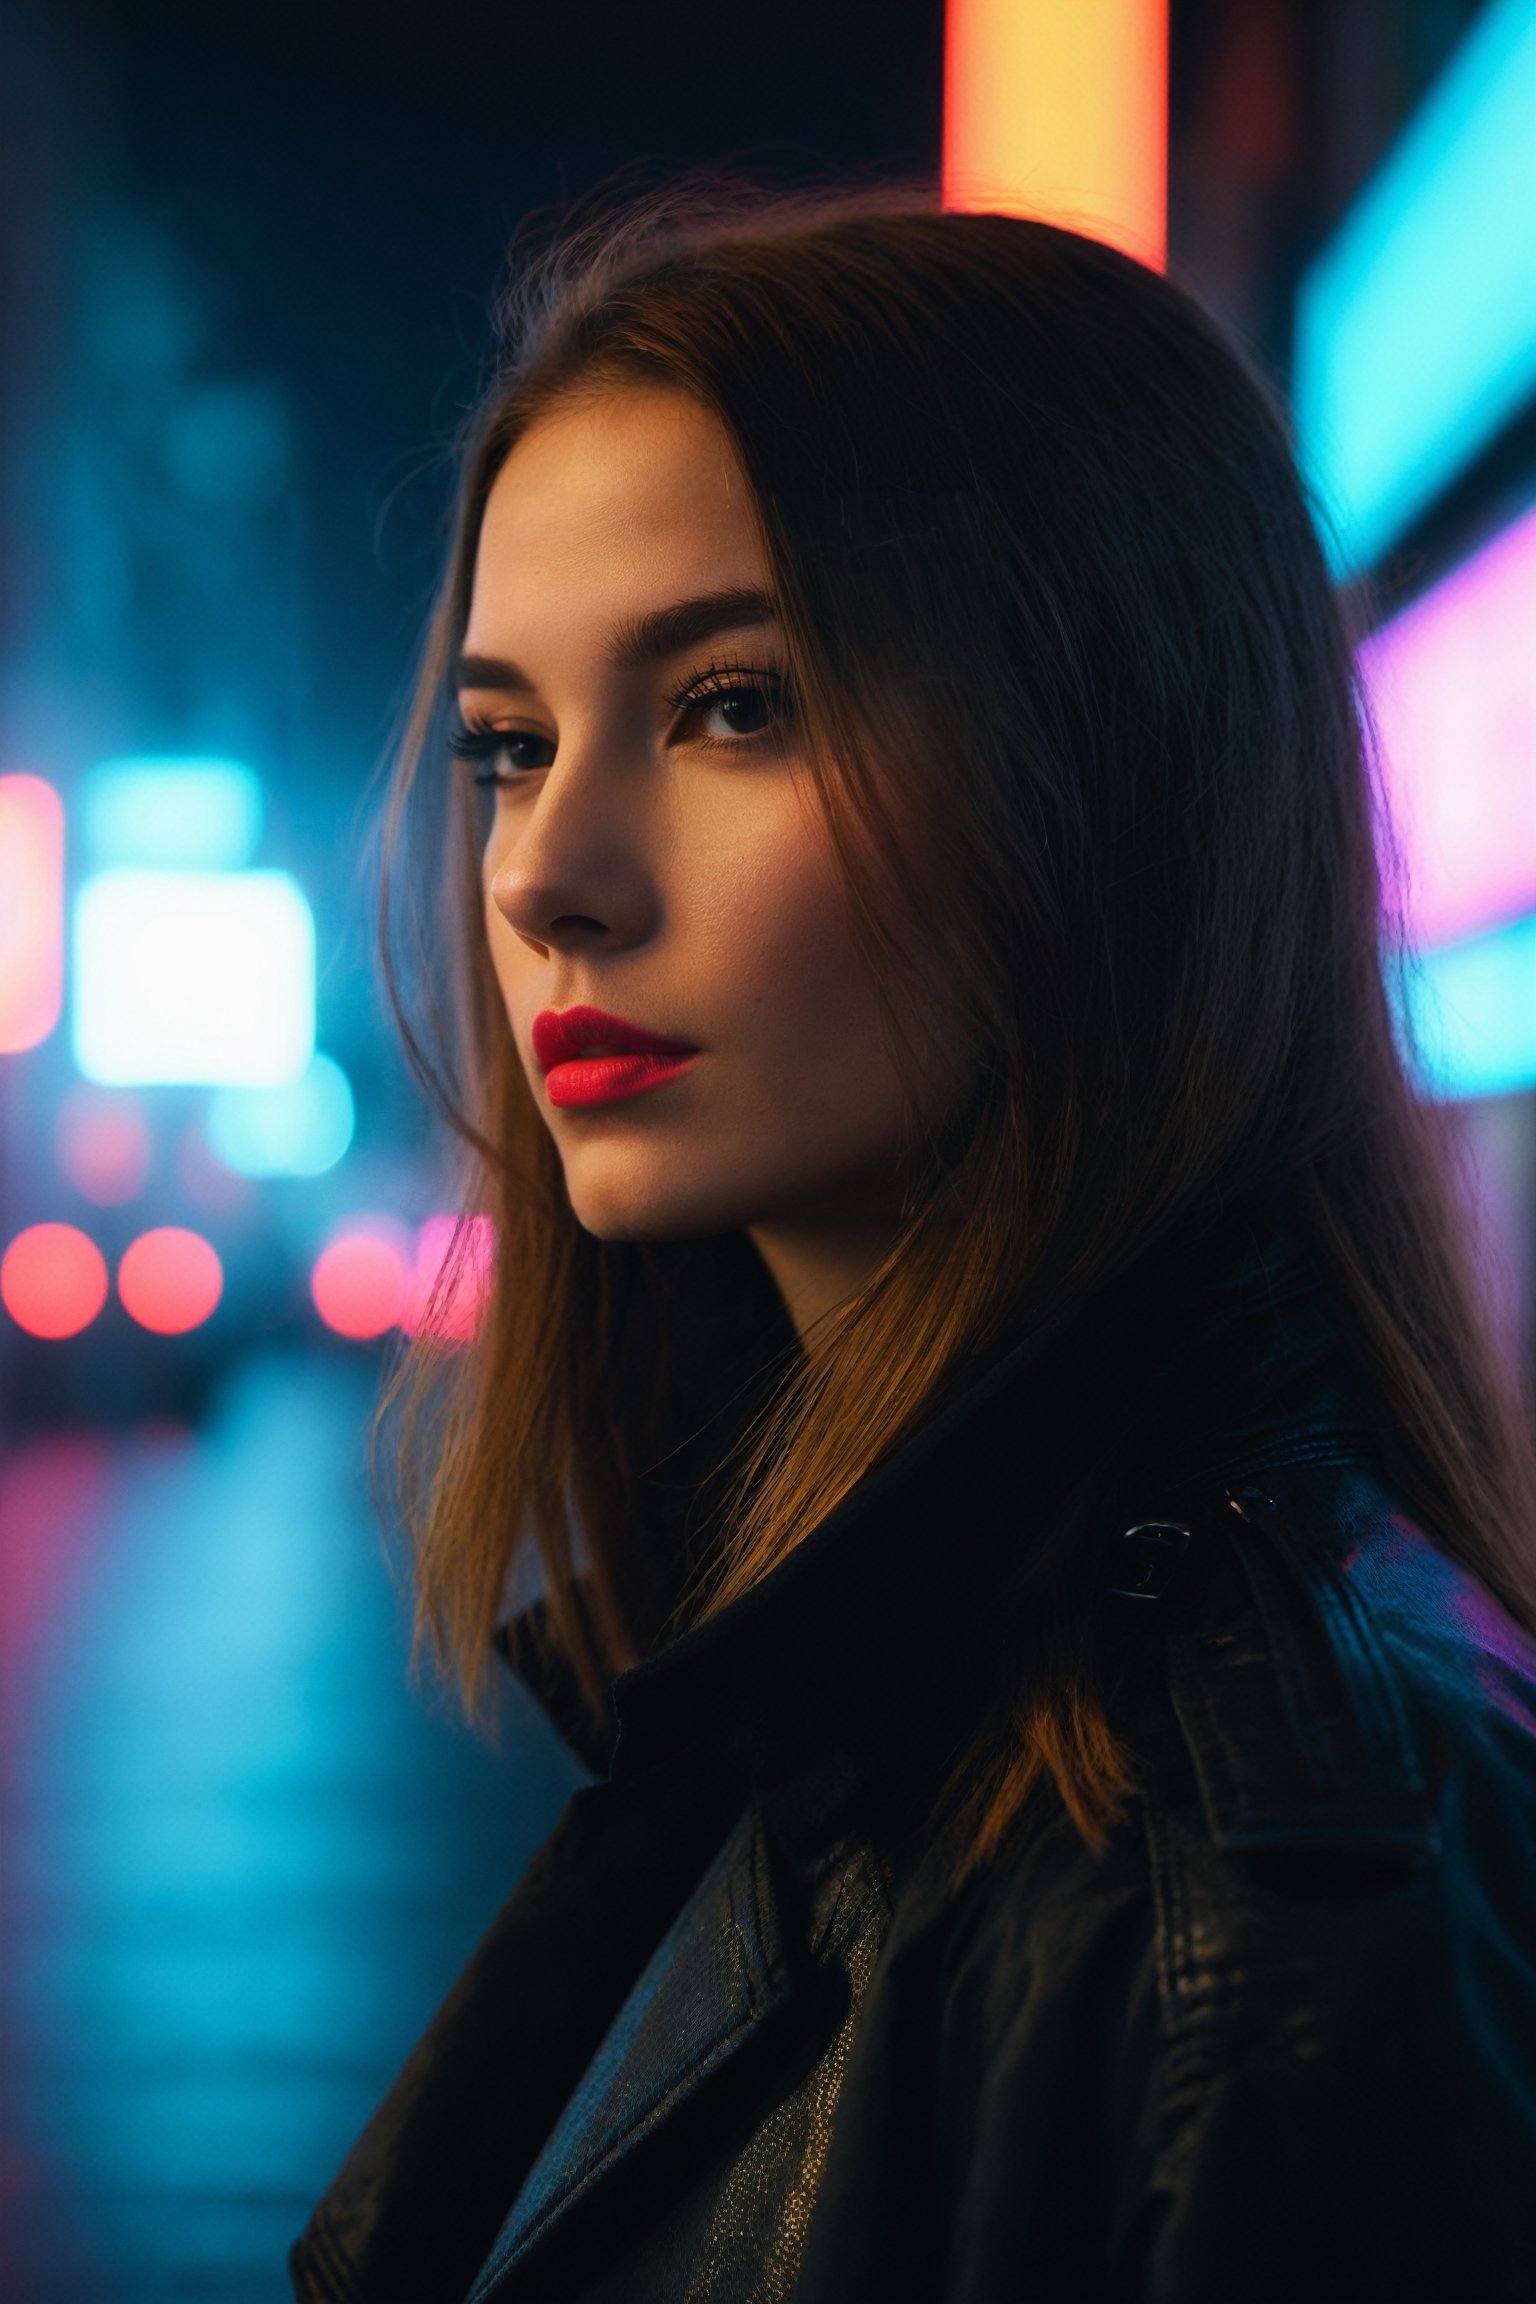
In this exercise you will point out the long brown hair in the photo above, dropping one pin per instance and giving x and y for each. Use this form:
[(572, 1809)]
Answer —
[(1053, 601)]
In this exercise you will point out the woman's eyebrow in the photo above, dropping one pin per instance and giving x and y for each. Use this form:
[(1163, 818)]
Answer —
[(663, 631), (643, 639)]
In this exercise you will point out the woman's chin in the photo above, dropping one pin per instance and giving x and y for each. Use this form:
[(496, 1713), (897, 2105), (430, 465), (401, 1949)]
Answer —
[(655, 1209)]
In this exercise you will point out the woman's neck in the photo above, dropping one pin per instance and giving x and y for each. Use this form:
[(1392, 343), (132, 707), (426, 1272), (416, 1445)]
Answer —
[(818, 1265)]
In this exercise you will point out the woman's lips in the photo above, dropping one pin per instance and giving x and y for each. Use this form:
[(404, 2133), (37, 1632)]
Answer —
[(589, 1057)]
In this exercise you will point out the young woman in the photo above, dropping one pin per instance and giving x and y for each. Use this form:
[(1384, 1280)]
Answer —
[(1033, 1537)]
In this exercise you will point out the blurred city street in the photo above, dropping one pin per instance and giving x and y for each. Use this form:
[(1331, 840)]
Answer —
[(242, 1860)]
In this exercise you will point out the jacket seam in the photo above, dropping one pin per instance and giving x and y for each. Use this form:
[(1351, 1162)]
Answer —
[(1193, 1997), (1357, 1639)]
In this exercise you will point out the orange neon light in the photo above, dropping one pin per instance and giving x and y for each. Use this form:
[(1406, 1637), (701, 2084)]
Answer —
[(1059, 109), (31, 911)]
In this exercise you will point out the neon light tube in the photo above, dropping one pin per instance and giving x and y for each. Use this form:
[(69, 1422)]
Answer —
[(1416, 327), (1452, 688), (1059, 109)]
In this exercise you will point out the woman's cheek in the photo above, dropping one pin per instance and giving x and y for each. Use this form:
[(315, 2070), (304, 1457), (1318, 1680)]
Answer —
[(781, 922)]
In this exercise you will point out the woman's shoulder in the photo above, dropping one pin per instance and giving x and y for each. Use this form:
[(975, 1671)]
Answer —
[(1320, 1703), (1351, 1701), (1290, 2005)]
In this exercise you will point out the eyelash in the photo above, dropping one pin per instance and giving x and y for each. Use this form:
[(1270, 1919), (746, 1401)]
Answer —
[(477, 742)]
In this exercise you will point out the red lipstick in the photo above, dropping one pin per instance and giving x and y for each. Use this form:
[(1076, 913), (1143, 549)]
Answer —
[(589, 1057)]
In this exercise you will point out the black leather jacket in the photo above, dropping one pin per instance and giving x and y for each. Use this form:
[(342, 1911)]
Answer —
[(738, 2037)]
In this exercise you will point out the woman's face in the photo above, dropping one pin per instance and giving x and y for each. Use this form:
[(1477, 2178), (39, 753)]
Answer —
[(667, 922)]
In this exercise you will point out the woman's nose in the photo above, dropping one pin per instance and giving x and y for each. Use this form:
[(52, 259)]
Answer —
[(575, 871)]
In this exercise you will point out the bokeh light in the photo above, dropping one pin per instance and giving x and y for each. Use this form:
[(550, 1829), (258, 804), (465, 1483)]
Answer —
[(360, 1278), (450, 1278), (170, 1280), (31, 911), (300, 1130), (183, 814), (53, 1280), (193, 978), (104, 1144)]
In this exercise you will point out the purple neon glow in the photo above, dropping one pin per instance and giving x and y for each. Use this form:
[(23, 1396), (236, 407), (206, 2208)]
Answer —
[(1452, 684)]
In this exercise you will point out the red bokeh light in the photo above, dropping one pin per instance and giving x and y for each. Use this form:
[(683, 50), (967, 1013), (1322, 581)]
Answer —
[(450, 1278), (360, 1279), (53, 1280), (169, 1280)]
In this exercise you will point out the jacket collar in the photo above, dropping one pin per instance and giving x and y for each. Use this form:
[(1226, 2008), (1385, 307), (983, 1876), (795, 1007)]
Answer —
[(872, 1643)]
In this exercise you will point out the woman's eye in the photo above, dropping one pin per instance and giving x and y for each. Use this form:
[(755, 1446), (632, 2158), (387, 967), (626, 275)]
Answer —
[(730, 711), (725, 711), (498, 755), (741, 711)]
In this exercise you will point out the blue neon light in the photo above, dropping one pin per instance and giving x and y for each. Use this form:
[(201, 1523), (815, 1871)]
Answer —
[(196, 977), (1416, 327), (1469, 1012), (301, 1130), (188, 815)]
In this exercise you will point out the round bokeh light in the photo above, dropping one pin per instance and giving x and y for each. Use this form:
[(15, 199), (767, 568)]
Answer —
[(360, 1279), (169, 1280), (53, 1280)]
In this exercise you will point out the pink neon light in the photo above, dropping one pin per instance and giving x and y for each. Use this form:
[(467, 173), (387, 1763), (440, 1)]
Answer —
[(450, 1279), (31, 911), (1452, 685)]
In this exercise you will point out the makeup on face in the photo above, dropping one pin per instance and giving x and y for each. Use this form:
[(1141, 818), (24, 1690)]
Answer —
[(655, 836), (589, 1057)]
